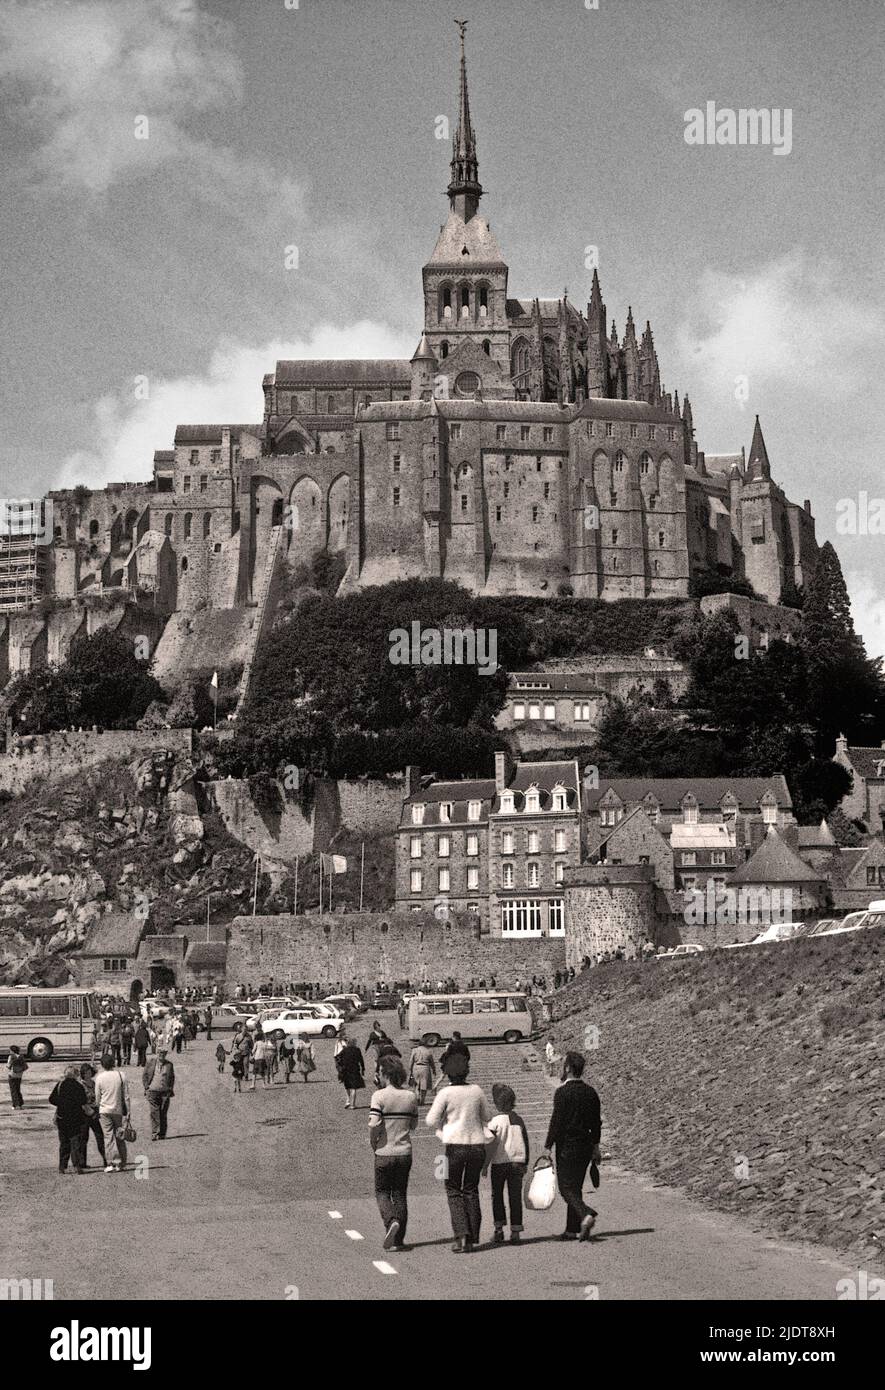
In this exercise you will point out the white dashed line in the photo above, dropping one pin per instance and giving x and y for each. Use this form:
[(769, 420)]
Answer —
[(383, 1267), (354, 1235), (335, 1215)]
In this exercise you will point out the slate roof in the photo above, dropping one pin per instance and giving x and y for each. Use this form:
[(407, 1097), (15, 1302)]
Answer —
[(207, 955), (816, 836), (115, 934), (865, 760), (211, 434), (709, 791), (345, 371), (775, 862), (553, 682), (475, 237)]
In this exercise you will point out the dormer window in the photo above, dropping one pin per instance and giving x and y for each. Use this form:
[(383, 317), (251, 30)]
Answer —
[(559, 799), (474, 810), (418, 813), (445, 812), (507, 803), (690, 811), (769, 811), (532, 800)]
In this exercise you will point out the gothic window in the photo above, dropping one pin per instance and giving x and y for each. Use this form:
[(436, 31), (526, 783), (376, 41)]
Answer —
[(520, 362), (644, 463), (483, 301), (188, 523), (464, 301), (446, 302), (444, 349), (620, 461)]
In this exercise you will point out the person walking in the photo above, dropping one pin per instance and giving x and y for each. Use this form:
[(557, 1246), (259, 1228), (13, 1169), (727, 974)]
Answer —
[(287, 1056), (69, 1099), (127, 1034), (90, 1115), (16, 1066), (141, 1039), (220, 1056), (351, 1070), (115, 1041), (462, 1114), (159, 1088), (207, 1019), (575, 1130), (259, 1061), (393, 1114), (508, 1159), (422, 1070), (237, 1071), (112, 1095), (305, 1060)]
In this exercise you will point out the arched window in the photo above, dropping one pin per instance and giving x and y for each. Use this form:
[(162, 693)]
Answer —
[(464, 301), (188, 524), (644, 463), (620, 461), (483, 301), (486, 347), (167, 524), (519, 361), (93, 529), (207, 525), (444, 348), (445, 302)]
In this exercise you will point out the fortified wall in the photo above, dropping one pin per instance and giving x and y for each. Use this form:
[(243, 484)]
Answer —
[(32, 757), (610, 907), (366, 947)]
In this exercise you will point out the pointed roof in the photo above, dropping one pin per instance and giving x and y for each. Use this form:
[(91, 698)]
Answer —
[(759, 464), (424, 352), (775, 862), (464, 184)]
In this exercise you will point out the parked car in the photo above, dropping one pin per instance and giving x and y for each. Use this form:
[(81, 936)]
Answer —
[(347, 1003), (385, 999), (300, 1021), (229, 1015)]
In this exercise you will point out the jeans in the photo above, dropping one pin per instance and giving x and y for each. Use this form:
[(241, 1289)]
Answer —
[(141, 1054), (114, 1148), (509, 1176), (69, 1147), (463, 1169), (92, 1123), (15, 1091), (391, 1186), (158, 1105), (571, 1170)]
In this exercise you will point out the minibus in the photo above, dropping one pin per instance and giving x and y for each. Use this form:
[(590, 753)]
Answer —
[(45, 1021), (495, 1014)]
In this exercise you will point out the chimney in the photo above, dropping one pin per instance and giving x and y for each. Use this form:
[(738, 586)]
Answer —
[(225, 446), (413, 780), (841, 744), (503, 770)]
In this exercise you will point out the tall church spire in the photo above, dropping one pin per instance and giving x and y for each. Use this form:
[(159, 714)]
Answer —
[(465, 189)]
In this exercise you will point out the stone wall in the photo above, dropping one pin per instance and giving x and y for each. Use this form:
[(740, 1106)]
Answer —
[(58, 755), (370, 805), (755, 617), (366, 947), (609, 907)]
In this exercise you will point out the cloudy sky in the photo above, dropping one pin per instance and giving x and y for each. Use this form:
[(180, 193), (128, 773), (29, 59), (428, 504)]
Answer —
[(145, 281)]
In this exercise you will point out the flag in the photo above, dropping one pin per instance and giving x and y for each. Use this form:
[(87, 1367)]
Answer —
[(214, 680), (333, 863)]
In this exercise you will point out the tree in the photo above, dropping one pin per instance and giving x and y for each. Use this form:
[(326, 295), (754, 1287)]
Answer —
[(102, 682), (844, 688)]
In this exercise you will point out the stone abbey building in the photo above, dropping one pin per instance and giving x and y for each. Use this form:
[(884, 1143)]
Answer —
[(525, 448)]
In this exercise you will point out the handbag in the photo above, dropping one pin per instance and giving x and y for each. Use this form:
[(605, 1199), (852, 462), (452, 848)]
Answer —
[(126, 1132), (541, 1190)]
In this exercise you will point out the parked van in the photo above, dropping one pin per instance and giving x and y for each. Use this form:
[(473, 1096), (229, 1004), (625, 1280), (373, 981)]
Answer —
[(498, 1014)]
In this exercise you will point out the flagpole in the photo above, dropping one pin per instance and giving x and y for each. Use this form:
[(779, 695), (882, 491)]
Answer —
[(362, 870), (295, 904), (255, 887), (321, 883)]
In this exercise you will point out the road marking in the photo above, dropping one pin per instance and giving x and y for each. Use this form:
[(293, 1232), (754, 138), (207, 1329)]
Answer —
[(354, 1235), (383, 1267), (335, 1215)]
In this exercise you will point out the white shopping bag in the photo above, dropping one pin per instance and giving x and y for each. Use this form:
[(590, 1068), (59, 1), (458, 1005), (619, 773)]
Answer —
[(541, 1191)]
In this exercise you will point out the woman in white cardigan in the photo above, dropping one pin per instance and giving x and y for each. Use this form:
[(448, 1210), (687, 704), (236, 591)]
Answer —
[(460, 1114)]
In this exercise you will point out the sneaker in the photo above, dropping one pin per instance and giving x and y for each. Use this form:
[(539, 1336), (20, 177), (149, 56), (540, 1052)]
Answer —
[(109, 1168), (587, 1226), (392, 1233)]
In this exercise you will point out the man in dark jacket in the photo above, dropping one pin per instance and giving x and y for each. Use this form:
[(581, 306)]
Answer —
[(159, 1088), (142, 1040), (575, 1129)]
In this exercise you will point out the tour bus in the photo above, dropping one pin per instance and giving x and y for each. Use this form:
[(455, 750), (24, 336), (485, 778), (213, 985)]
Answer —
[(500, 1014), (45, 1021)]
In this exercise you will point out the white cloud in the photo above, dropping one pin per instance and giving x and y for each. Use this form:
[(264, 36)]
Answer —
[(786, 324), (868, 610), (77, 76), (127, 430)]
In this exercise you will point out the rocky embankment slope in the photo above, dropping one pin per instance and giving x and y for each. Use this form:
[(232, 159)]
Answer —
[(754, 1079), (126, 837)]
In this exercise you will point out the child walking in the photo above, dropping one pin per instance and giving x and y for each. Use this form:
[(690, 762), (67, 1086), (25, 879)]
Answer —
[(237, 1071), (508, 1159), (220, 1056)]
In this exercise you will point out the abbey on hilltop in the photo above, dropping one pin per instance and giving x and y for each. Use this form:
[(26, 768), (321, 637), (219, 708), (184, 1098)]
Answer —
[(525, 448)]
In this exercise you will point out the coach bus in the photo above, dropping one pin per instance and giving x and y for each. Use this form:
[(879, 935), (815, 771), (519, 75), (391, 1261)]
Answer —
[(493, 1014), (43, 1022)]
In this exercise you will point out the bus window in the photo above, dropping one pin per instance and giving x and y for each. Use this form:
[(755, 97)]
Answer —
[(50, 1005), (516, 1004), (433, 1006), (14, 1006), (462, 1006), (490, 1006)]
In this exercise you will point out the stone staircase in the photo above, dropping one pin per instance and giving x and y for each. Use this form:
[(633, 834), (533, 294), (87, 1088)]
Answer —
[(262, 600)]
